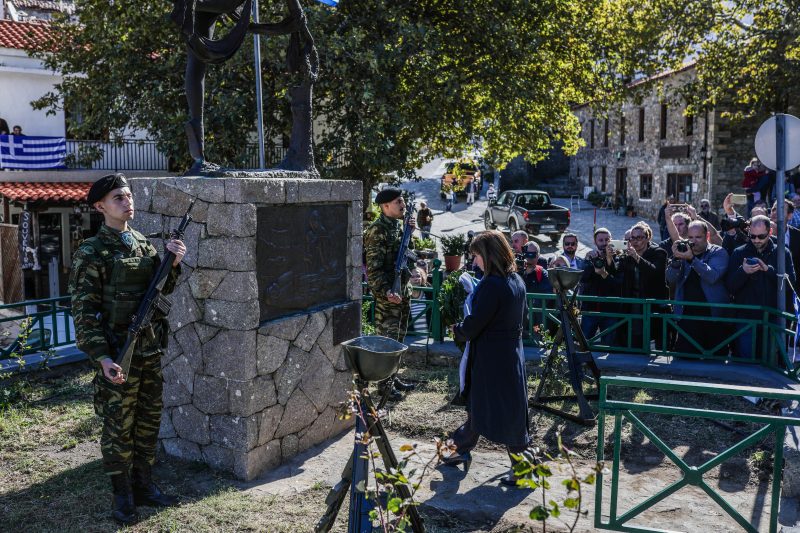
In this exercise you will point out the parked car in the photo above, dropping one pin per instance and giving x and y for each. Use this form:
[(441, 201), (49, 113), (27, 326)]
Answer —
[(531, 211)]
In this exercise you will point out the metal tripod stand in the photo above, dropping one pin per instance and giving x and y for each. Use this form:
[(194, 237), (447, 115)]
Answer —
[(354, 475), (568, 331)]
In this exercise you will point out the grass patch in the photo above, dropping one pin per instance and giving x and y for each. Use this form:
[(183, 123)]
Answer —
[(53, 480)]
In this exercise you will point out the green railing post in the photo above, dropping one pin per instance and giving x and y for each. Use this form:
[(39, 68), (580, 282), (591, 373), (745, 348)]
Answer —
[(436, 315), (647, 309), (691, 475)]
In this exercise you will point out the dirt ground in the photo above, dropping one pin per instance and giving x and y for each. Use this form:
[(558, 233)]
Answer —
[(52, 478)]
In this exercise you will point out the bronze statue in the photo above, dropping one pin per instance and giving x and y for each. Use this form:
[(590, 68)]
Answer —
[(196, 18)]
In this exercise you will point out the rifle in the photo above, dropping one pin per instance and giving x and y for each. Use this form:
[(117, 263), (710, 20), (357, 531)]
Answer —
[(403, 254), (152, 301)]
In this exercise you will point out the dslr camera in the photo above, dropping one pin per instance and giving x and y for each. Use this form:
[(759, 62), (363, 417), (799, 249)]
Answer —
[(739, 224), (683, 245), (522, 256), (599, 261)]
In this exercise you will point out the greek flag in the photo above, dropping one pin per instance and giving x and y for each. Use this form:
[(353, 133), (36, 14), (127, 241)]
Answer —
[(333, 3), (23, 152)]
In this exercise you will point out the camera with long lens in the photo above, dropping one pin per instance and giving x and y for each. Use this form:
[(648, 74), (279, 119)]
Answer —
[(739, 223), (683, 245)]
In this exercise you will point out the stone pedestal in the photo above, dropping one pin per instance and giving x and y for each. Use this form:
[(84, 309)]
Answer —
[(252, 376)]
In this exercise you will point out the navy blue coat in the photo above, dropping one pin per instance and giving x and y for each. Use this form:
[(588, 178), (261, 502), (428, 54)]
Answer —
[(496, 389), (758, 288)]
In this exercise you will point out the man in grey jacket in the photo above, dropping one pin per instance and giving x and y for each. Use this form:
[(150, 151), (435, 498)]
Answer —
[(697, 274)]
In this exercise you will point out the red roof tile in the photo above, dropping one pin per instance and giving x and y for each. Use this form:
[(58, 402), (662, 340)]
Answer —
[(21, 34), (63, 192)]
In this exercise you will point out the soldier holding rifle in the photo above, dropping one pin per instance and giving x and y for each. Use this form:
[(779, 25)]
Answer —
[(382, 243), (110, 274)]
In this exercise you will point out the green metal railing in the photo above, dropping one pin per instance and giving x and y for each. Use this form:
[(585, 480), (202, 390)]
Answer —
[(644, 326), (48, 327), (424, 309), (692, 475)]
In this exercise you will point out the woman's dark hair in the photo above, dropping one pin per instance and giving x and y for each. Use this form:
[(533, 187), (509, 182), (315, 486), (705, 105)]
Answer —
[(492, 246)]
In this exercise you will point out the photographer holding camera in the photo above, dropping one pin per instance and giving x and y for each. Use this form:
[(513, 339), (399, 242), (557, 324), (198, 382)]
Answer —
[(752, 278), (678, 219), (697, 274), (642, 267), (734, 228), (601, 278), (535, 275)]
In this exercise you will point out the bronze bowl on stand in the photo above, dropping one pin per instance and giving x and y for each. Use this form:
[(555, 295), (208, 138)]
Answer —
[(564, 278), (374, 358)]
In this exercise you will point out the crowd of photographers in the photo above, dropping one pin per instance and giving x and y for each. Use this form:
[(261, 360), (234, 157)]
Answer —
[(701, 261)]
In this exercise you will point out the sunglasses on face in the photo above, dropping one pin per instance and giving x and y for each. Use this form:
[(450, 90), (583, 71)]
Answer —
[(761, 237), (570, 244)]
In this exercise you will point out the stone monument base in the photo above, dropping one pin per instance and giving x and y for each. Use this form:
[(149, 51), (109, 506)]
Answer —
[(252, 376)]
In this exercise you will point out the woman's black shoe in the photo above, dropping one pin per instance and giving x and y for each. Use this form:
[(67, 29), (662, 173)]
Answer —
[(459, 459), (459, 400), (403, 386), (509, 480)]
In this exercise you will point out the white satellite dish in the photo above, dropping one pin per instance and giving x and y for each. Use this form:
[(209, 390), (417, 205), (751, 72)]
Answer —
[(766, 142)]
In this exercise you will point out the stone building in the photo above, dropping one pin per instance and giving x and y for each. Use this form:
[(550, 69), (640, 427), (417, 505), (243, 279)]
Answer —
[(651, 148)]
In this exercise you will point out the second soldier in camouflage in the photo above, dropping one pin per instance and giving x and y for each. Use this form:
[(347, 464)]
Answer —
[(381, 244)]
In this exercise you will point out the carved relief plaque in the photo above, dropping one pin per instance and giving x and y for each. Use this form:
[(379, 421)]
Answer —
[(301, 256)]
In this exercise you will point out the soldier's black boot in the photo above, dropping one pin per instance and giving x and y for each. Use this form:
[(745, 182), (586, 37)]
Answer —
[(124, 511), (145, 492)]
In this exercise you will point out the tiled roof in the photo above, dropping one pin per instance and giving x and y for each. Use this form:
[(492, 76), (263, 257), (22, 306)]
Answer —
[(20, 34), (57, 192)]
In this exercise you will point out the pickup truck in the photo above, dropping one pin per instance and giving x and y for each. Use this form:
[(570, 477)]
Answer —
[(531, 211)]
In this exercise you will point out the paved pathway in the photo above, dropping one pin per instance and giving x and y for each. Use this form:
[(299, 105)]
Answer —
[(464, 218)]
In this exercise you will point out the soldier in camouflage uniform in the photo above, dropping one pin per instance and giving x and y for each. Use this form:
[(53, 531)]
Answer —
[(110, 274), (382, 242)]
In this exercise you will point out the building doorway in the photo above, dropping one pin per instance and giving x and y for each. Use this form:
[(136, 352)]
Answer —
[(622, 188), (680, 186)]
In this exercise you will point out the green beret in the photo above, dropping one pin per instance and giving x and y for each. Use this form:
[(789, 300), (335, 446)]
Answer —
[(105, 185), (387, 195)]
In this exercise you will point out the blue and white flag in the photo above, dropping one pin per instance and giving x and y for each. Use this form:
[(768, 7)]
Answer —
[(24, 152), (333, 3)]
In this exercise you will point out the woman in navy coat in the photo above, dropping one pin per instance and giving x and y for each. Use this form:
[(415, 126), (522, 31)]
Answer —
[(496, 390)]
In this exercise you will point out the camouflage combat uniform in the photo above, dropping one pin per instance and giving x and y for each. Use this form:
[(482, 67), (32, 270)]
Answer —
[(107, 282), (382, 242)]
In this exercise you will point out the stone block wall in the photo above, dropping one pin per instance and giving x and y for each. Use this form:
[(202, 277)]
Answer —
[(717, 152), (239, 395)]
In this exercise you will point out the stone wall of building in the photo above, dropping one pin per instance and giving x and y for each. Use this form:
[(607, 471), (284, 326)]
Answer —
[(709, 151), (241, 395)]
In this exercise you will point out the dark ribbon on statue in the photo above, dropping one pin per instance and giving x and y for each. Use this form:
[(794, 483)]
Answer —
[(207, 50)]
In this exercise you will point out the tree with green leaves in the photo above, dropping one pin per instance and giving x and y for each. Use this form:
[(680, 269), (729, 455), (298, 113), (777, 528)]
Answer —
[(399, 81), (747, 52)]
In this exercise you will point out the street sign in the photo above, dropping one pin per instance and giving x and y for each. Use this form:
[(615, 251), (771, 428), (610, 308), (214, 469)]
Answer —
[(766, 142)]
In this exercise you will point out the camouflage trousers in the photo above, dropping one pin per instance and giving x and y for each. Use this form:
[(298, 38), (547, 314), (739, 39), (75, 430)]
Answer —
[(131, 415), (391, 320)]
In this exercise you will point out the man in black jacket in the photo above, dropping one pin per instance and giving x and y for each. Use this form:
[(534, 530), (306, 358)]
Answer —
[(643, 269), (752, 279), (792, 234), (602, 279)]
